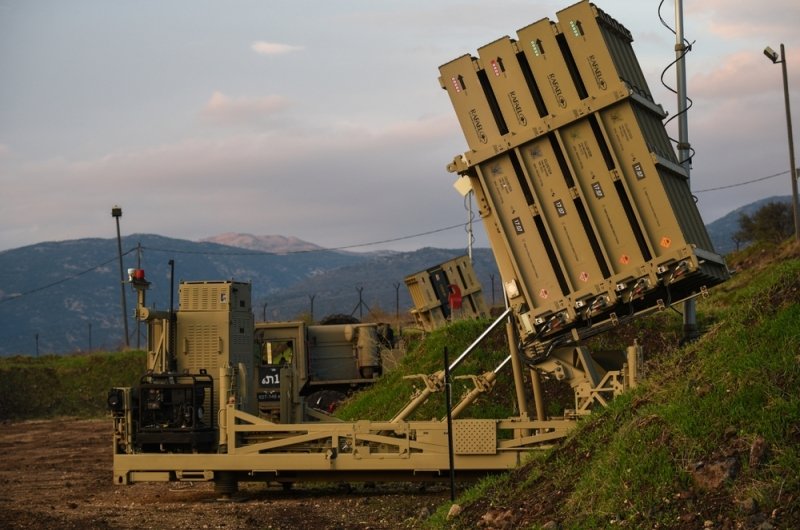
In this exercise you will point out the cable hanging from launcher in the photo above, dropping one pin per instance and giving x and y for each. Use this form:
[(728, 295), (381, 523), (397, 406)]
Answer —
[(470, 220), (686, 48)]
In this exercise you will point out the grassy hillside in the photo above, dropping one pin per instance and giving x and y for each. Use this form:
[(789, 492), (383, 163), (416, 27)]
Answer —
[(392, 392), (68, 385), (712, 439)]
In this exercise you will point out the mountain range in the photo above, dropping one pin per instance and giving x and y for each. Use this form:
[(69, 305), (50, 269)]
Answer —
[(60, 297)]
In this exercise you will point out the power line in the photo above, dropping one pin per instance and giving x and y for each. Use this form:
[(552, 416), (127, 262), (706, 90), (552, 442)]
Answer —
[(742, 183), (233, 253), (62, 280), (327, 249)]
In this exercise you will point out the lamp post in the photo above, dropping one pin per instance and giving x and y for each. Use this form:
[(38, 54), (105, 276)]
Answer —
[(772, 55), (116, 213)]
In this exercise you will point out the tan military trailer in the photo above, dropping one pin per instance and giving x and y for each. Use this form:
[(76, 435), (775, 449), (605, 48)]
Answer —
[(446, 292), (591, 222), (304, 371)]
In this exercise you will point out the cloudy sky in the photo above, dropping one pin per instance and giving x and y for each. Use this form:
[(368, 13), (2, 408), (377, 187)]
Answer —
[(323, 120)]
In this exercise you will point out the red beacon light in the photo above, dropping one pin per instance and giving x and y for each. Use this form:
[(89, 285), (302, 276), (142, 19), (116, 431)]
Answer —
[(136, 276)]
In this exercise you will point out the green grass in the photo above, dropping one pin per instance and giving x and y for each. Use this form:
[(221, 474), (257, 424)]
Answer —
[(386, 398), (64, 385), (631, 464)]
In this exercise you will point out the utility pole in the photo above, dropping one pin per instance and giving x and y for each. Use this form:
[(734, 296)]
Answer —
[(684, 148), (361, 305), (770, 53), (116, 213), (138, 322)]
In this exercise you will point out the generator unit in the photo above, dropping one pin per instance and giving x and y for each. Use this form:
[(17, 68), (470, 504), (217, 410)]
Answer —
[(214, 331)]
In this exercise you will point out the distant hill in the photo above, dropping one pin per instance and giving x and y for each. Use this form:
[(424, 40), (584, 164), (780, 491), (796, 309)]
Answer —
[(272, 243), (381, 279), (58, 290), (65, 296), (721, 231)]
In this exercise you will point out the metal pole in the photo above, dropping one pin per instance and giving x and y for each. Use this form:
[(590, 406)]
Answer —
[(172, 363), (139, 322), (477, 341), (397, 302), (116, 212), (792, 170), (449, 405), (684, 148), (469, 225), (516, 365), (538, 395)]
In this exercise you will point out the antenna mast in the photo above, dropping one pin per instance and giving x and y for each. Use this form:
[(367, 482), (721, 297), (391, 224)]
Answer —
[(684, 147)]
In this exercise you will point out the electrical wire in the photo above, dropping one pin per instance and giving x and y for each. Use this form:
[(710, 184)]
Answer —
[(326, 249), (743, 183), (687, 47), (15, 296), (471, 218)]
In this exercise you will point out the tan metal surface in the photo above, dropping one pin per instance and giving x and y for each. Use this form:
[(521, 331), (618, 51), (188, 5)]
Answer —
[(431, 305), (215, 330), (589, 217), (586, 208)]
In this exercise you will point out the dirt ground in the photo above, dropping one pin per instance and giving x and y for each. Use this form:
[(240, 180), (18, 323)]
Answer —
[(58, 474)]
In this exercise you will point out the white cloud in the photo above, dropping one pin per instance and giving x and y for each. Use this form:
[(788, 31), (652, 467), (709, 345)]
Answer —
[(222, 109), (273, 48)]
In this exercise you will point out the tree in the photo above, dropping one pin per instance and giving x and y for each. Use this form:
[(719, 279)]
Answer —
[(772, 223)]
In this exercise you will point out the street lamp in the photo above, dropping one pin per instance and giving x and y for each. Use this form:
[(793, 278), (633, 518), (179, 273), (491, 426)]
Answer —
[(773, 56), (116, 213)]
